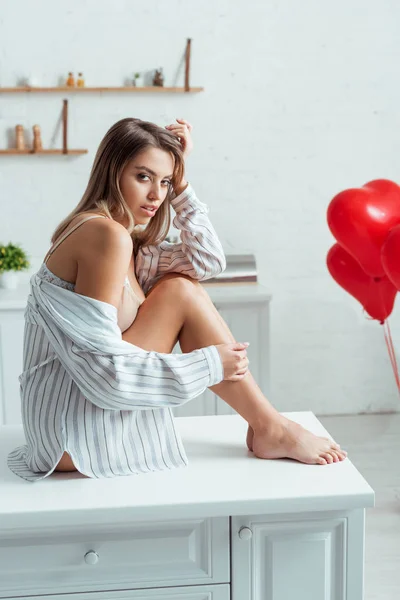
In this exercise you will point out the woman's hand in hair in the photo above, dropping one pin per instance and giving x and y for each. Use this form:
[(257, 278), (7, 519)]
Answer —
[(183, 133)]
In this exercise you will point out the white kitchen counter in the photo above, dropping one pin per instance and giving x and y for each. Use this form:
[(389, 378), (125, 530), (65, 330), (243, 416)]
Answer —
[(284, 524), (222, 478)]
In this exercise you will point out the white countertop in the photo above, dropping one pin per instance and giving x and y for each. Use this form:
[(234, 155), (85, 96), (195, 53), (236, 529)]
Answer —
[(223, 478)]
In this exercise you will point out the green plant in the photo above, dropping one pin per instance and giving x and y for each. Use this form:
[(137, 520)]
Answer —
[(137, 75), (13, 258)]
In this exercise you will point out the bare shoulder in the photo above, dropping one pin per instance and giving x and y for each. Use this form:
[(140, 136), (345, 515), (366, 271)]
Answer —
[(103, 260), (105, 235)]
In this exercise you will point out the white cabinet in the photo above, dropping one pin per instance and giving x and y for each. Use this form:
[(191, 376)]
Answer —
[(145, 555), (245, 309), (227, 527)]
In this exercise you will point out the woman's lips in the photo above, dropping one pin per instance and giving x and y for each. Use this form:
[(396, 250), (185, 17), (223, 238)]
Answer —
[(148, 212)]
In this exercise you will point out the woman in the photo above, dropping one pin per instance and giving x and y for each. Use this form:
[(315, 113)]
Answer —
[(106, 308)]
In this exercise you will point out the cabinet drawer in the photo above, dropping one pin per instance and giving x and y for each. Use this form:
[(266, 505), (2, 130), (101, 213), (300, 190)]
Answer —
[(202, 592), (134, 556)]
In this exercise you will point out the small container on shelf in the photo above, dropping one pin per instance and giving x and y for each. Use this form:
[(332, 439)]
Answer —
[(32, 80), (19, 137), (71, 80), (158, 79), (80, 82), (37, 139)]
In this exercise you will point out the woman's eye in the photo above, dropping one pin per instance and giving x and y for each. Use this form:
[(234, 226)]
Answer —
[(165, 182)]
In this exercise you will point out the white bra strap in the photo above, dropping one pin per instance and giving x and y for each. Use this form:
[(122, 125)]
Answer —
[(65, 235)]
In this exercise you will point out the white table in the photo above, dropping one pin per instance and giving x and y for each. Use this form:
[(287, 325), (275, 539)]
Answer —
[(229, 523)]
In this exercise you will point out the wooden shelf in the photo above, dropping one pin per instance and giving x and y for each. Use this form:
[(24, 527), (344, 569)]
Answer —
[(156, 89), (53, 151), (75, 89)]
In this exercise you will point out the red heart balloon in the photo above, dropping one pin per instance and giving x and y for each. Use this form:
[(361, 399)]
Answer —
[(391, 256), (376, 295), (361, 218)]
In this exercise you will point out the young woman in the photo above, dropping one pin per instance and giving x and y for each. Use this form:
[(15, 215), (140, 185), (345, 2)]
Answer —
[(107, 306)]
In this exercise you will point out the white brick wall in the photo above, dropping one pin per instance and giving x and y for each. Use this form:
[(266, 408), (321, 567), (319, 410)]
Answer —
[(301, 101)]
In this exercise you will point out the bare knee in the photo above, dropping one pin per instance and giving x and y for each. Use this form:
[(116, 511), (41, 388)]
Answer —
[(177, 285)]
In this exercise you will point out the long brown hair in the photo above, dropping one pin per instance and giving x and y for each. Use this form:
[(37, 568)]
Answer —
[(122, 142)]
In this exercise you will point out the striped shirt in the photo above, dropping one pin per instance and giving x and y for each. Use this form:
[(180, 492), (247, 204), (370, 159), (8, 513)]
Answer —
[(105, 401)]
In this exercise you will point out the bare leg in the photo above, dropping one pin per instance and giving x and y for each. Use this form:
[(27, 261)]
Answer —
[(275, 435), (178, 308)]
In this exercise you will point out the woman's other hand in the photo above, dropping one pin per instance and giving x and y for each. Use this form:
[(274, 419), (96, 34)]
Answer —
[(234, 360), (183, 133)]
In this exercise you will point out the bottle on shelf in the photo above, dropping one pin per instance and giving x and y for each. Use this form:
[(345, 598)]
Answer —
[(19, 137), (71, 80), (81, 81), (37, 138)]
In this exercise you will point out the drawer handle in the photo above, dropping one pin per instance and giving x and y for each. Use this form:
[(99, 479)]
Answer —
[(245, 533), (91, 557)]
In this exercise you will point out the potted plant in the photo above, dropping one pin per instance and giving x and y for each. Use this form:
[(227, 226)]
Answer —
[(12, 260), (138, 80)]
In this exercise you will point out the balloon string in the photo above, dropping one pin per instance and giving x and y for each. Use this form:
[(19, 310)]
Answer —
[(392, 353), (388, 340)]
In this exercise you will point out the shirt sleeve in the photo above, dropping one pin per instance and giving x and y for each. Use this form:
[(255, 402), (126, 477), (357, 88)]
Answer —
[(110, 372), (199, 254)]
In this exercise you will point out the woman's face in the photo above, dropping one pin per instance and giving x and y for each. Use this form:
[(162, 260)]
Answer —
[(145, 181)]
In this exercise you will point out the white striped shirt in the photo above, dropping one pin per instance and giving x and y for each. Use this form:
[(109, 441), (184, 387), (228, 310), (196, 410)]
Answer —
[(86, 391)]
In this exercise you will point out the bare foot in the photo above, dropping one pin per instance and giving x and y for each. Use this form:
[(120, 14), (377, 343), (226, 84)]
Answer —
[(249, 438), (288, 439)]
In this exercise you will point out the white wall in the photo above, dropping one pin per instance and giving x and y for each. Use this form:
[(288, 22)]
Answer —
[(301, 101)]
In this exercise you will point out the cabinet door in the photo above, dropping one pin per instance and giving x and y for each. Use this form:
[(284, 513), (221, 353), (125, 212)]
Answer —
[(11, 344), (307, 557)]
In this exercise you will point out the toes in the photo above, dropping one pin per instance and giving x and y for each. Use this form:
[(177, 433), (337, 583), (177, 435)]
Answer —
[(335, 448), (328, 457), (341, 454), (337, 455), (334, 456)]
